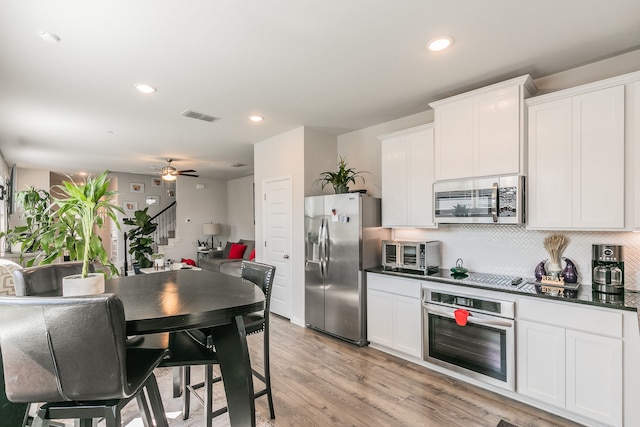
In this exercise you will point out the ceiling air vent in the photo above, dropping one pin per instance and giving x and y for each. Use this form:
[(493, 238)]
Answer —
[(199, 116)]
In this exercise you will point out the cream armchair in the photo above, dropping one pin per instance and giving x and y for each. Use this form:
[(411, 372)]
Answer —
[(7, 268)]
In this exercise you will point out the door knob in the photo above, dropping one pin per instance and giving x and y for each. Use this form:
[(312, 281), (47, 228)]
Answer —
[(285, 256)]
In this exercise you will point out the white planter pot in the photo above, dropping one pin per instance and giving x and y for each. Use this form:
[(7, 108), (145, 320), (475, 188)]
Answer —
[(159, 262), (75, 285)]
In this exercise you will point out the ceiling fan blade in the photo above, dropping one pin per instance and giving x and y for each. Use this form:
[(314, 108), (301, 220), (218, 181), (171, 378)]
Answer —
[(188, 174), (187, 171)]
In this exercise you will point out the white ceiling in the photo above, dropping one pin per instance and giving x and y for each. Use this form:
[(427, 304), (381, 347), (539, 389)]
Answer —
[(338, 65)]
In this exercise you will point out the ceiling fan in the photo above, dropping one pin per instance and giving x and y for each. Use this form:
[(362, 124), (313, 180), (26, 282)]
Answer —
[(169, 173)]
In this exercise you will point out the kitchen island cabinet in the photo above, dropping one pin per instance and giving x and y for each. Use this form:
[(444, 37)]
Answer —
[(407, 178), (571, 357), (481, 133), (393, 314)]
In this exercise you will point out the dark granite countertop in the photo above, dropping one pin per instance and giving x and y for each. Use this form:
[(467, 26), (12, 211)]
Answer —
[(585, 295)]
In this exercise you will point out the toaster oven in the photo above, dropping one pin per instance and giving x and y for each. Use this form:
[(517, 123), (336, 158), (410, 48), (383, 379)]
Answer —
[(415, 257)]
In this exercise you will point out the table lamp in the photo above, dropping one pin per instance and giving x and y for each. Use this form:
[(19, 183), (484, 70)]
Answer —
[(211, 229)]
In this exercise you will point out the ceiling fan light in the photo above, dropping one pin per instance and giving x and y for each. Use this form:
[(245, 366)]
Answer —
[(169, 177)]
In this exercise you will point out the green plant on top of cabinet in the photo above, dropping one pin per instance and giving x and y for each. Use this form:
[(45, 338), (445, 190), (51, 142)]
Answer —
[(481, 133), (576, 159), (407, 178)]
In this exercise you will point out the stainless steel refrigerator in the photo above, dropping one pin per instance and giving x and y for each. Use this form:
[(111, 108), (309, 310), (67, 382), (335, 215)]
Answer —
[(343, 235)]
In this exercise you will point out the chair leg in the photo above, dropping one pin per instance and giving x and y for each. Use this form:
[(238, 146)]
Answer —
[(177, 381), (40, 420), (186, 392), (156, 402), (144, 409), (208, 395), (111, 417), (267, 373)]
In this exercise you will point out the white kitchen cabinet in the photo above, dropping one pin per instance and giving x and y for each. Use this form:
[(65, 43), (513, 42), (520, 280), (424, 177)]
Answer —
[(541, 362), (571, 357), (636, 144), (407, 178), (594, 376), (394, 314), (576, 160), (481, 133)]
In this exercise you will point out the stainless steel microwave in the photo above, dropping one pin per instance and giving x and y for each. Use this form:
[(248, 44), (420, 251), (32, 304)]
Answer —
[(488, 200)]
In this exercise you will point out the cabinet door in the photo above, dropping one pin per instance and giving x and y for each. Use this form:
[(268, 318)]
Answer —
[(636, 142), (594, 377), (394, 181), (598, 157), (541, 362), (496, 148), (420, 175), (379, 318), (550, 156), (454, 140), (407, 325)]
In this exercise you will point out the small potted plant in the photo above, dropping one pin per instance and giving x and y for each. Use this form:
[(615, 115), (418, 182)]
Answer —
[(84, 207), (341, 178), (158, 261)]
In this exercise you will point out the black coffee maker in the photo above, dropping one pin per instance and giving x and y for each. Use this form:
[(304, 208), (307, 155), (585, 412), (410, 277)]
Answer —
[(607, 269)]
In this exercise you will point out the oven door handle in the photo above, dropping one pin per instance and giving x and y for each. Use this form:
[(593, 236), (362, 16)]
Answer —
[(472, 319)]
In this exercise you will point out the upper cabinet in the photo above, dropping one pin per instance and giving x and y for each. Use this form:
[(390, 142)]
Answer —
[(407, 178), (577, 159), (481, 133)]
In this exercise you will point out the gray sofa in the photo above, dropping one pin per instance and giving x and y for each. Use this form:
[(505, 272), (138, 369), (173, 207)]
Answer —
[(222, 263)]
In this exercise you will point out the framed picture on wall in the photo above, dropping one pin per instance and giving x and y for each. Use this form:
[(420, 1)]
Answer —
[(157, 182), (130, 206), (136, 187), (153, 200), (171, 194)]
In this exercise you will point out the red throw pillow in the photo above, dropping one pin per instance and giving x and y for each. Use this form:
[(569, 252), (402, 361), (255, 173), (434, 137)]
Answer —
[(237, 250), (189, 261), (252, 256)]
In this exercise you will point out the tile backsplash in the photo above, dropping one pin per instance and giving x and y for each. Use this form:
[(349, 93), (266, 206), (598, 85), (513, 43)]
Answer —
[(514, 250)]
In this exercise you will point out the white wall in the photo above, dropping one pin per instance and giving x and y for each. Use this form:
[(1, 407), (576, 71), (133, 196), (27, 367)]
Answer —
[(240, 210), (286, 155), (194, 208)]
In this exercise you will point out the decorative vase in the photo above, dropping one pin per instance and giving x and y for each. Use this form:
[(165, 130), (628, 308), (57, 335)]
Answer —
[(553, 268), (340, 189), (159, 262), (540, 271), (76, 285), (570, 272)]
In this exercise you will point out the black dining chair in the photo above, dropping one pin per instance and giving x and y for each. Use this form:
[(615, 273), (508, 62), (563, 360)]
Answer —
[(190, 348), (71, 353), (45, 279), (262, 275)]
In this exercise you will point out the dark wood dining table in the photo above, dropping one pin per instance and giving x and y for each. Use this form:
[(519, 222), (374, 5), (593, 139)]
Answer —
[(186, 299)]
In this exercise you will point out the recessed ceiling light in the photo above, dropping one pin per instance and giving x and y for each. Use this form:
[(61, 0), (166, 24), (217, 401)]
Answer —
[(49, 37), (144, 88), (439, 43), (256, 118)]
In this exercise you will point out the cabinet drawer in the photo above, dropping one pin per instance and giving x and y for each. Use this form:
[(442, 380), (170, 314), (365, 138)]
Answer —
[(393, 285), (571, 316)]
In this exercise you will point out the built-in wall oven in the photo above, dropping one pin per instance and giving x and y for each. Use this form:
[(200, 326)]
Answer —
[(470, 335)]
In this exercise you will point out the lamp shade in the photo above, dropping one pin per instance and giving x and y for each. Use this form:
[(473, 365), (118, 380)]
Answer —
[(211, 229)]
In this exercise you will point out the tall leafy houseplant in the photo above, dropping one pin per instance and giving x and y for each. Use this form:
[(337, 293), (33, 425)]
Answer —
[(341, 178), (141, 243), (38, 220), (89, 203)]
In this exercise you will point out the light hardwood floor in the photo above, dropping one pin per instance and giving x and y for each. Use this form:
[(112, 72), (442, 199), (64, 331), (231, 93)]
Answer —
[(321, 381)]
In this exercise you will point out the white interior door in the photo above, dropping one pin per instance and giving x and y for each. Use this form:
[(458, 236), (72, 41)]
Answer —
[(276, 214)]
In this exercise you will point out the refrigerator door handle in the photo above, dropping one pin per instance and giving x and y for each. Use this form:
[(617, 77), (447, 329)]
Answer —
[(321, 248), (327, 247)]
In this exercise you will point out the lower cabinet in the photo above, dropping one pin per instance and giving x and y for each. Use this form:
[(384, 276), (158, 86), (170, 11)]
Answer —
[(564, 360), (394, 313)]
